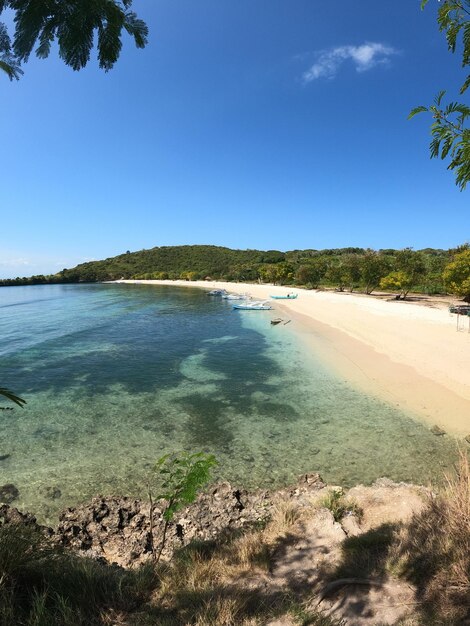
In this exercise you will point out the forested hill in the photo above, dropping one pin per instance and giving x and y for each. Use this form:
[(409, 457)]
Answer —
[(428, 270), (172, 262), (162, 262)]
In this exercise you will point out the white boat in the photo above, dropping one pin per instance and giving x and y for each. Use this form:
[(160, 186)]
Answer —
[(253, 306), (217, 292), (234, 296)]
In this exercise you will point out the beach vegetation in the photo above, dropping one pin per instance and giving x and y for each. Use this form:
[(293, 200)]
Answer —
[(335, 275), (277, 273), (397, 281), (457, 274), (374, 267), (412, 265), (351, 270), (312, 273), (75, 25)]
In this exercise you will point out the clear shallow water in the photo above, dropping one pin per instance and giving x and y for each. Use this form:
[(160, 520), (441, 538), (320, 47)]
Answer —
[(117, 375)]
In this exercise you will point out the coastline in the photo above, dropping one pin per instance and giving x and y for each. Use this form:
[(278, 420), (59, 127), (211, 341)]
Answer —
[(407, 354)]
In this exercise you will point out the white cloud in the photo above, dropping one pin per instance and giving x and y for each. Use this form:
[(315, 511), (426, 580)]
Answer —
[(364, 57)]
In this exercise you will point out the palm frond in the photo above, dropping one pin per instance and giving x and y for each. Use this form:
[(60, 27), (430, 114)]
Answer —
[(12, 396)]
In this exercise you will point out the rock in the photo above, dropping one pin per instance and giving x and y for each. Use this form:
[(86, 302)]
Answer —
[(119, 529), (8, 493), (436, 430), (312, 480), (351, 526), (11, 515), (53, 493), (4, 457)]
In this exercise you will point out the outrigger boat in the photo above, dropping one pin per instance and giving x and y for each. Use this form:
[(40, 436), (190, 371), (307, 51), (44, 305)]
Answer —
[(217, 292), (234, 296), (289, 296), (253, 306)]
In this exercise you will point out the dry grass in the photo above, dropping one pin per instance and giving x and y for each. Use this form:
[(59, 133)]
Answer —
[(224, 583), (433, 550), (336, 502), (219, 583), (43, 585)]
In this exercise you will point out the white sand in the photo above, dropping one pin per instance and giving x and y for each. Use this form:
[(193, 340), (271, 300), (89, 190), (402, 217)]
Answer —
[(410, 354)]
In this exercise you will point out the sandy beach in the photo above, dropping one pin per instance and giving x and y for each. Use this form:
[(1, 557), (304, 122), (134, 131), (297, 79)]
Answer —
[(406, 353)]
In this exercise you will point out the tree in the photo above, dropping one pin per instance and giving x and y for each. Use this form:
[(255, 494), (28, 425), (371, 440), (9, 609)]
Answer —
[(397, 281), (73, 24), (312, 272), (352, 269), (8, 62), (373, 267), (411, 268), (457, 275), (276, 273), (450, 132), (336, 275)]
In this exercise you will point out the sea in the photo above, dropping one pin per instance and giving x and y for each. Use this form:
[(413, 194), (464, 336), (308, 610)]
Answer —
[(117, 375)]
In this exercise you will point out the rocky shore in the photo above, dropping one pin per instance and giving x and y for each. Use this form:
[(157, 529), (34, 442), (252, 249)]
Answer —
[(337, 554), (121, 530)]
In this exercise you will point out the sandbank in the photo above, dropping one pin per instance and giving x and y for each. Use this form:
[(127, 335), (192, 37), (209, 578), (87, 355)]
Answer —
[(408, 354)]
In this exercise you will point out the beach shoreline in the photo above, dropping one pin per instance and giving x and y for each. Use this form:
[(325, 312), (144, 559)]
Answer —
[(404, 353)]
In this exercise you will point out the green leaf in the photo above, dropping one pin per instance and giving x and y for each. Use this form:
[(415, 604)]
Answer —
[(74, 23), (416, 110), (11, 396), (185, 475), (464, 87), (439, 96)]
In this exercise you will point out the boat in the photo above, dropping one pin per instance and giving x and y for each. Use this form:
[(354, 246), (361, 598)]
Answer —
[(460, 309), (234, 296), (289, 296), (217, 292), (253, 306)]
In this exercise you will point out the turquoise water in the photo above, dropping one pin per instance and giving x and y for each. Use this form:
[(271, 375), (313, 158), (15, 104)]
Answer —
[(117, 375)]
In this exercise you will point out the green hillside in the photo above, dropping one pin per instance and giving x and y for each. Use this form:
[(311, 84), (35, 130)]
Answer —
[(348, 269), (172, 261)]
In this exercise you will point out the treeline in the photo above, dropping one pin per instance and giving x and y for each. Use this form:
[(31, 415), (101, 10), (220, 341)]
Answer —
[(430, 270)]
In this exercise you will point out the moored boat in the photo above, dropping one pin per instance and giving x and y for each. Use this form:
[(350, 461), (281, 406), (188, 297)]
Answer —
[(234, 296), (289, 296), (253, 306), (217, 292)]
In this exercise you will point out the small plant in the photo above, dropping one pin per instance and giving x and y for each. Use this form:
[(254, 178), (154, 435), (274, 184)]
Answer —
[(340, 506), (181, 477)]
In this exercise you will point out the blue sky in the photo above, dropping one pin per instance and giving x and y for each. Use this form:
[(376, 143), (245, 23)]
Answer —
[(250, 124)]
